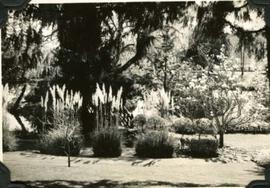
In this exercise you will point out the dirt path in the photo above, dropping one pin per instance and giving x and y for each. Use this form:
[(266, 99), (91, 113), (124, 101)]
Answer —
[(40, 170)]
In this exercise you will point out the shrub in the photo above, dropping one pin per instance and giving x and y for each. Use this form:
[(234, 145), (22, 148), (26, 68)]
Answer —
[(258, 127), (155, 145), (9, 138), (130, 137), (155, 122), (205, 126), (107, 143), (184, 126), (183, 146), (204, 147), (139, 121), (55, 143)]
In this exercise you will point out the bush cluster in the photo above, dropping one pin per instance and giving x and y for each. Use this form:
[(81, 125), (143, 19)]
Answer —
[(184, 125), (106, 142), (55, 143), (155, 145), (248, 129)]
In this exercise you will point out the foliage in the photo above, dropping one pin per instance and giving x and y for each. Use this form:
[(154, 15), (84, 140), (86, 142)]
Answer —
[(155, 145), (164, 59), (22, 44), (190, 107), (55, 143), (204, 147), (258, 127), (107, 142), (113, 38), (212, 92)]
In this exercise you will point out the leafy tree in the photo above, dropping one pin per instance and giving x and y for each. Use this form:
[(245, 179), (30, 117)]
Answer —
[(19, 54), (164, 60), (98, 43), (210, 33), (92, 40)]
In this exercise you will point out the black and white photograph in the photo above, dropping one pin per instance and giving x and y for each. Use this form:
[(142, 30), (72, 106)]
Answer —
[(135, 94)]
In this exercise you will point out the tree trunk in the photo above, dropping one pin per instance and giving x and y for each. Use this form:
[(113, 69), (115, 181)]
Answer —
[(14, 110), (221, 140), (17, 117), (79, 33), (165, 77), (68, 154), (242, 59)]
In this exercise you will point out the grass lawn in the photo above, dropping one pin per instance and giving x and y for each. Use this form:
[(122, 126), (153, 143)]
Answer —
[(38, 170)]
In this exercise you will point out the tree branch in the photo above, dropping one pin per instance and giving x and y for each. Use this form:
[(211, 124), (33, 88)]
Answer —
[(240, 7), (17, 103), (46, 37), (130, 62), (143, 41), (126, 47)]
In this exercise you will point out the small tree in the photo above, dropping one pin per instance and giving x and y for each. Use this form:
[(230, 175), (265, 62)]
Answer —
[(213, 89), (226, 109), (64, 107)]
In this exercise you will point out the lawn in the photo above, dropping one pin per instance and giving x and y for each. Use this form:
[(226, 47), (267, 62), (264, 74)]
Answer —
[(235, 167)]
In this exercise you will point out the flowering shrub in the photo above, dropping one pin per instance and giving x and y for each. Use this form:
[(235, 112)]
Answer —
[(157, 102), (107, 106)]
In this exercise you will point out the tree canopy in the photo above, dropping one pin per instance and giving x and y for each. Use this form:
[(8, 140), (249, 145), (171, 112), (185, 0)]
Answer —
[(100, 43)]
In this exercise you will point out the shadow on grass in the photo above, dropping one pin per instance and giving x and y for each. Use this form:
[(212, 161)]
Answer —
[(258, 170), (110, 183), (134, 161)]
